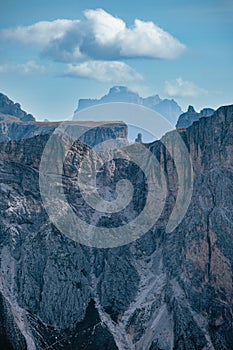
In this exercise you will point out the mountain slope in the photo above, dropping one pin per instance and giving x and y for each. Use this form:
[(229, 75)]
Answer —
[(163, 291)]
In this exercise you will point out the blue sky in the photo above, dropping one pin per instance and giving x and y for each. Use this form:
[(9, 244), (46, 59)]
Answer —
[(178, 49)]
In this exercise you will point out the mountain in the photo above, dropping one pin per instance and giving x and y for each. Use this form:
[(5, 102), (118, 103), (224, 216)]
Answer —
[(16, 124), (163, 291), (13, 129), (186, 119), (167, 108), (8, 107)]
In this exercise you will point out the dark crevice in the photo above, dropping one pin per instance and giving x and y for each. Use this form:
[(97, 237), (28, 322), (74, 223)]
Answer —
[(209, 249)]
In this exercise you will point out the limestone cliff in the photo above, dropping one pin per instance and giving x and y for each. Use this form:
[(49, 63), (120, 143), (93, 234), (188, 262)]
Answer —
[(163, 291)]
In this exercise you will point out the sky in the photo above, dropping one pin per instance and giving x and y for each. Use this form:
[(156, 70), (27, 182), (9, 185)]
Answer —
[(54, 53)]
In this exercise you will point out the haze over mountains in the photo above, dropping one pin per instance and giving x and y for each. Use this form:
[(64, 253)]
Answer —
[(167, 108), (15, 123)]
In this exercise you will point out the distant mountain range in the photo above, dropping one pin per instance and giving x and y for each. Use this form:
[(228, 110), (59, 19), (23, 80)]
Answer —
[(168, 108), (15, 123)]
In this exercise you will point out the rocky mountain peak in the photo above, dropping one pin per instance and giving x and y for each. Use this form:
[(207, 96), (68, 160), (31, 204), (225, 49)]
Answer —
[(8, 107), (191, 109), (167, 108), (186, 119)]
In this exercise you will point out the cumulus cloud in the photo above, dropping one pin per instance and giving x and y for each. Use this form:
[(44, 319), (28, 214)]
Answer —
[(40, 33), (22, 68), (104, 71), (100, 36), (104, 26), (182, 88)]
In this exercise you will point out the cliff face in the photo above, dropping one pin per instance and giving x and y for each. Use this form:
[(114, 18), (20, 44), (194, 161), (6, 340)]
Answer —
[(16, 124), (206, 233), (14, 129), (163, 291)]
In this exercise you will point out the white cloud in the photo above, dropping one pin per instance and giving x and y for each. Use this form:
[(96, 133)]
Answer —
[(105, 27), (146, 39), (182, 88), (22, 68), (100, 36), (104, 71), (40, 33)]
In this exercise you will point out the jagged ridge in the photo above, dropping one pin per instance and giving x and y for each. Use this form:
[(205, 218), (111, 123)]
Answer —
[(186, 119), (168, 108)]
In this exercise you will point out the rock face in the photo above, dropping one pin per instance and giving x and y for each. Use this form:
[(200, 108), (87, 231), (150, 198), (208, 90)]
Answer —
[(163, 291), (16, 124), (168, 108), (13, 129), (186, 119), (14, 109)]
